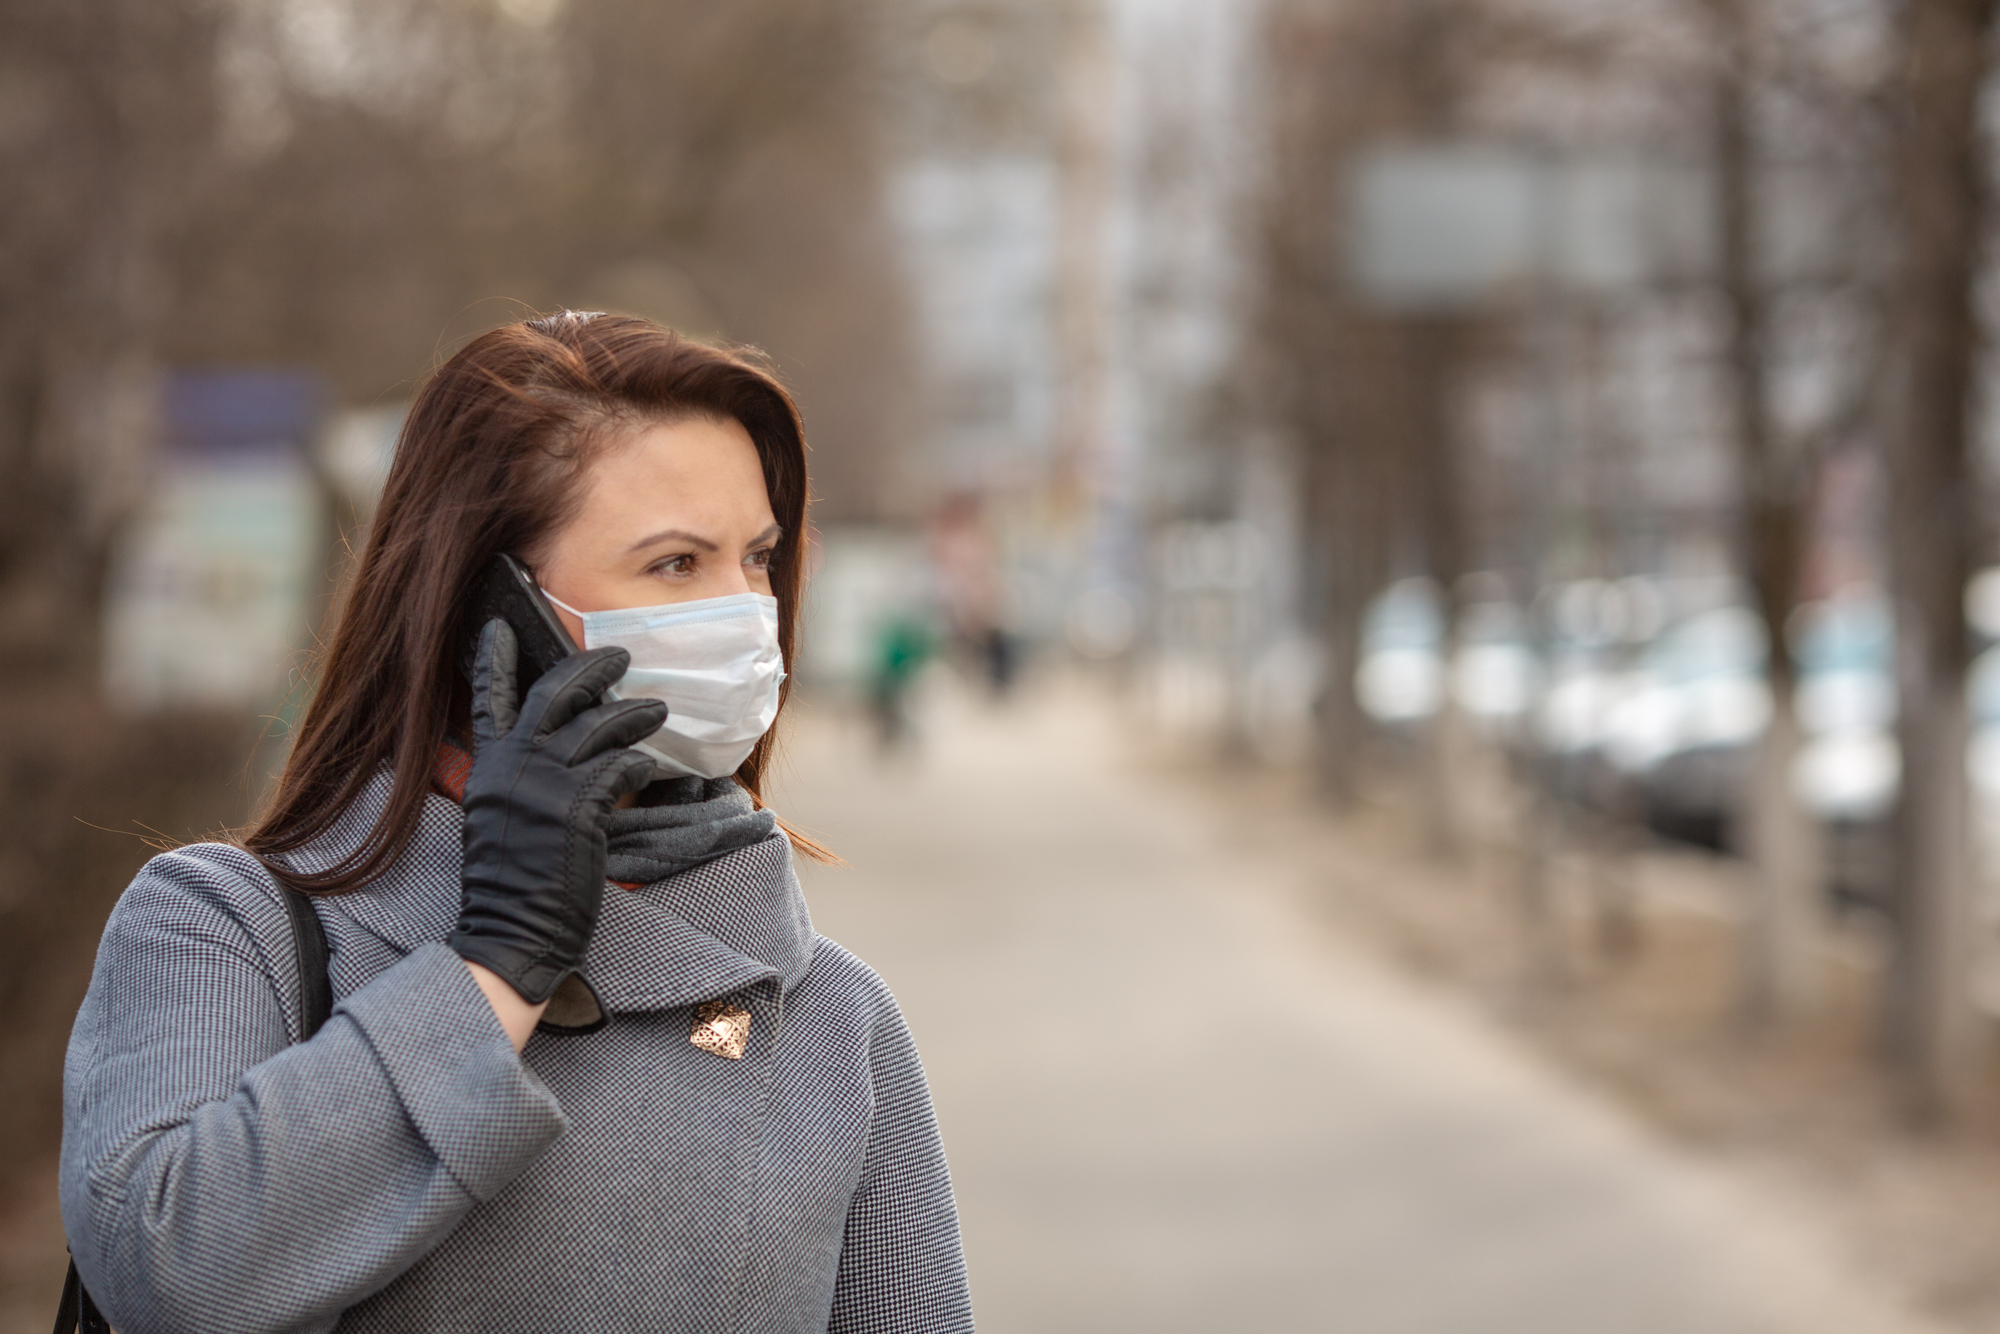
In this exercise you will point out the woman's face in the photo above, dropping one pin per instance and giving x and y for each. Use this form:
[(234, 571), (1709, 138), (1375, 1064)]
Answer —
[(670, 514)]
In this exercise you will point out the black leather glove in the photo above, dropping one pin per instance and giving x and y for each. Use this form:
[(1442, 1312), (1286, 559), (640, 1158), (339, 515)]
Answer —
[(544, 779)]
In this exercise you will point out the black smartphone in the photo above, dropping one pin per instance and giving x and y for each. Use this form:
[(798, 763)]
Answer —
[(506, 589)]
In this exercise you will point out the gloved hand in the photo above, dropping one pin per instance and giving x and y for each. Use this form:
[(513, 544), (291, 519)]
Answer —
[(544, 779)]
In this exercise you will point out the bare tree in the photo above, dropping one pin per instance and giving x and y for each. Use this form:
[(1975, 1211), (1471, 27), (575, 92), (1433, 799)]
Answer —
[(1365, 396), (1302, 363), (104, 141), (1781, 936), (1931, 539)]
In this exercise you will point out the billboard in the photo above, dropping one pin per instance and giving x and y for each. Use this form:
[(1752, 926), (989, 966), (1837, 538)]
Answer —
[(211, 591)]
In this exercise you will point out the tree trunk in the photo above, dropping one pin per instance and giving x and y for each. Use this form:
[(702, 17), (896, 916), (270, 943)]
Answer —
[(1782, 924), (1430, 347), (1932, 1028), (1783, 929), (1081, 308), (1345, 537)]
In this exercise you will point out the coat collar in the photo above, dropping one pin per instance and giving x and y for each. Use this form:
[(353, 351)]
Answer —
[(704, 933)]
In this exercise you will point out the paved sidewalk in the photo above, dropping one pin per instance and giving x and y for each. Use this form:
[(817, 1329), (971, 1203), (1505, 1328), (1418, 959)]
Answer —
[(1172, 1104)]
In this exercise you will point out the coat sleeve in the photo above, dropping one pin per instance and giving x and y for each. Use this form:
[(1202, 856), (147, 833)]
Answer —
[(902, 1268), (216, 1177)]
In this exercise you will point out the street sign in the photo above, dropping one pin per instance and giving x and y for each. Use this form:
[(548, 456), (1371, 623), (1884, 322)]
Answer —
[(1453, 226)]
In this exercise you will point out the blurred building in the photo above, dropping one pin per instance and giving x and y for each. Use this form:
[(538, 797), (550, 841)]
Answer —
[(1068, 186)]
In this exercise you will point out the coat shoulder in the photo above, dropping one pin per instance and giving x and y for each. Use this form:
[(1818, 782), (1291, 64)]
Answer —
[(212, 893), (217, 875), (841, 984), (839, 969)]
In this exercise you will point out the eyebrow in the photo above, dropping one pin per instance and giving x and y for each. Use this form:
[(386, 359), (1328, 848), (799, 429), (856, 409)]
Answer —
[(682, 534)]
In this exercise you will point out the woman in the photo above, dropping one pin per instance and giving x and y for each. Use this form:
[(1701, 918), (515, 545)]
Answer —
[(543, 1102)]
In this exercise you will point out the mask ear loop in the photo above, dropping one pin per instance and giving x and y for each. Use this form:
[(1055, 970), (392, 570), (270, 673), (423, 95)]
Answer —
[(564, 605)]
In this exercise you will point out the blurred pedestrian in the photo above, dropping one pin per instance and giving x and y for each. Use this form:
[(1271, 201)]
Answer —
[(903, 644), (541, 1101), (971, 587)]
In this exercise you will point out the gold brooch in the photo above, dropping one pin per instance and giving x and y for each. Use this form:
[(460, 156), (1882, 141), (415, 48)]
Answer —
[(721, 1028)]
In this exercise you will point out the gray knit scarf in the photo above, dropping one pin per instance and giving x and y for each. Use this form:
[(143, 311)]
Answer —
[(680, 823)]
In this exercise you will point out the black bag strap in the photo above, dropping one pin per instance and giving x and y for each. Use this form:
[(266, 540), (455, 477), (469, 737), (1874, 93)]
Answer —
[(309, 944), (78, 1314)]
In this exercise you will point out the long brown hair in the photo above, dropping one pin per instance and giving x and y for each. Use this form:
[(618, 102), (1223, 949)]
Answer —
[(490, 460)]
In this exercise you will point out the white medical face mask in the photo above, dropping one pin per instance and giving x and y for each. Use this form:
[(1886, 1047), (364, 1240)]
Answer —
[(716, 665)]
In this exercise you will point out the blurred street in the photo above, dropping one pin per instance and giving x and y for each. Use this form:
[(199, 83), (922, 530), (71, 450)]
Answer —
[(1174, 1100)]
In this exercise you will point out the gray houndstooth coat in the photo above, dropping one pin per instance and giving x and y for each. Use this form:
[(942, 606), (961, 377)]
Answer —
[(405, 1170)]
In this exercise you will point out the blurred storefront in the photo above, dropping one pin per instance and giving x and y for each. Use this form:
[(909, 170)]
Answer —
[(209, 594)]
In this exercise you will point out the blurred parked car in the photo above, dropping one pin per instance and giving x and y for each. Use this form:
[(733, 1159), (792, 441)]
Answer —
[(1848, 769), (1650, 695), (1400, 678), (1687, 723), (1495, 673), (1692, 709)]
